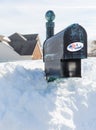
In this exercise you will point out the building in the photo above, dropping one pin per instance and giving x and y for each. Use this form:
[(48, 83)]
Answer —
[(92, 49), (7, 53), (28, 44)]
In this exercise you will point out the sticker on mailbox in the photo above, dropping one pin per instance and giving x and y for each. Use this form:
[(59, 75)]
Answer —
[(76, 46)]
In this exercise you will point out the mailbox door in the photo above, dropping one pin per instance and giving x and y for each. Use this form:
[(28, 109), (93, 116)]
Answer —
[(75, 42)]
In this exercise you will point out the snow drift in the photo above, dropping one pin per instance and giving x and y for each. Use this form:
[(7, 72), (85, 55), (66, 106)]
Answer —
[(28, 102)]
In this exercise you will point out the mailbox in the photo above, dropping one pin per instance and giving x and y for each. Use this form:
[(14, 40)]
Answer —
[(62, 53)]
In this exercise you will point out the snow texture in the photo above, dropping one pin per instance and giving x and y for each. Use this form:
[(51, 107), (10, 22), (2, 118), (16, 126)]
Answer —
[(28, 102)]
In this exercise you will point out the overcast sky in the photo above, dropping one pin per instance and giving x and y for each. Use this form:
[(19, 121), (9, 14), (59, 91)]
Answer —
[(28, 16)]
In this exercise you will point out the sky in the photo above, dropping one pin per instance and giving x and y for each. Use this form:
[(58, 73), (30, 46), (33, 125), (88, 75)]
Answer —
[(28, 16)]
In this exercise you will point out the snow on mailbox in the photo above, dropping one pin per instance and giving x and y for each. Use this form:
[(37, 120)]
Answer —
[(62, 53)]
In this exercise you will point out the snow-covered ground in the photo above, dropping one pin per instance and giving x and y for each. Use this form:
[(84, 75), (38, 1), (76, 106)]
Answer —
[(28, 102)]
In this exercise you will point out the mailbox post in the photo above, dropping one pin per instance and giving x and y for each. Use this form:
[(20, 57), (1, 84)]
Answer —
[(50, 16)]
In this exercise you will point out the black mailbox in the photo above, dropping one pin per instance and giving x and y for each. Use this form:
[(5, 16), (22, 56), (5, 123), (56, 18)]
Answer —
[(62, 53)]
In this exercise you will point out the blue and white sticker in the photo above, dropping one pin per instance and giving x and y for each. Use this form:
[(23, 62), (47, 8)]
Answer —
[(76, 46)]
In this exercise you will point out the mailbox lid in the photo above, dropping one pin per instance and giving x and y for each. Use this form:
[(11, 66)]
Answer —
[(75, 42)]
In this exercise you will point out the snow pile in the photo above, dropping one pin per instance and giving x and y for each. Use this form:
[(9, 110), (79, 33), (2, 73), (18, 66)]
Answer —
[(28, 102)]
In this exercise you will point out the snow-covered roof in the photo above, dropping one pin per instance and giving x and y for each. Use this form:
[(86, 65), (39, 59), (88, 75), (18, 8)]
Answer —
[(24, 44)]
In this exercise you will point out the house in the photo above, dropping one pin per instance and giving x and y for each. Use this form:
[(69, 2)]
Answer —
[(28, 44), (92, 50), (7, 53)]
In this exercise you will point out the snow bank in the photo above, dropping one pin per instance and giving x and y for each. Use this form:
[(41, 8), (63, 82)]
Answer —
[(28, 102)]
